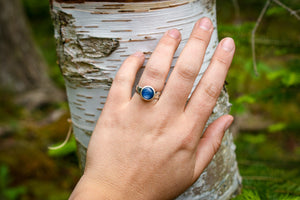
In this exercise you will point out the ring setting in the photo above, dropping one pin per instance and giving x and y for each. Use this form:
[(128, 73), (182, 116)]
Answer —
[(147, 93)]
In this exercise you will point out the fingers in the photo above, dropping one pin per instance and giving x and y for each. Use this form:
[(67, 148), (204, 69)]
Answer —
[(210, 143), (122, 85), (188, 65), (158, 66), (204, 98)]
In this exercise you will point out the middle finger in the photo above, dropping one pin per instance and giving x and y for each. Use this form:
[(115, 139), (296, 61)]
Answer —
[(188, 66)]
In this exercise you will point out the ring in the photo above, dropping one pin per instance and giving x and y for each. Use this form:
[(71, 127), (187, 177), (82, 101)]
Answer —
[(147, 93)]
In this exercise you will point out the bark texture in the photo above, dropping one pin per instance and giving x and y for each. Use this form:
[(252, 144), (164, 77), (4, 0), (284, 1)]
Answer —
[(94, 38), (23, 71)]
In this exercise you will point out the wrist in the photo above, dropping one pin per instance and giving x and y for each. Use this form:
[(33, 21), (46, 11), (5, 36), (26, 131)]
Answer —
[(89, 189)]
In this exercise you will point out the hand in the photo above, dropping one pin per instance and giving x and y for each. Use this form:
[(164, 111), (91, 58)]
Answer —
[(154, 150)]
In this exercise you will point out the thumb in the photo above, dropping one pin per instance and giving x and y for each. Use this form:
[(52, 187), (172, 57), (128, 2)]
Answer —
[(210, 143)]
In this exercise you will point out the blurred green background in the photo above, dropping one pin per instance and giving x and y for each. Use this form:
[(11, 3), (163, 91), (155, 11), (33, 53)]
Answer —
[(266, 109)]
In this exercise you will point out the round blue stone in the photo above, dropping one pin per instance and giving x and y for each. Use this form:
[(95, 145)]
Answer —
[(147, 93)]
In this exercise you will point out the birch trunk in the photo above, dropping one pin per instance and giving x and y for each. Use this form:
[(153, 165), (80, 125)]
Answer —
[(93, 39)]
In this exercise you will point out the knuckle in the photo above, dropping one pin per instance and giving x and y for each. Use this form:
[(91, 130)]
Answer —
[(199, 39), (216, 145), (166, 46), (212, 91), (187, 73), (131, 60), (221, 60), (154, 72), (120, 79), (188, 141), (167, 42)]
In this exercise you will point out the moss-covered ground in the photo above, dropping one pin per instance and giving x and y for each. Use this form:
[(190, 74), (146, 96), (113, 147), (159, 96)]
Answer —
[(268, 152)]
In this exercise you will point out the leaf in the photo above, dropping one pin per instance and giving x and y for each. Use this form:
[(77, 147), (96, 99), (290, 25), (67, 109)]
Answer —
[(245, 99), (277, 11), (271, 76), (291, 79), (277, 127), (248, 195), (255, 139), (68, 148)]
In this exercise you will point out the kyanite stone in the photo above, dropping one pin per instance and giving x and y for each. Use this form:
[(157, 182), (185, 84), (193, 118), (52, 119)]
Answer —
[(147, 93)]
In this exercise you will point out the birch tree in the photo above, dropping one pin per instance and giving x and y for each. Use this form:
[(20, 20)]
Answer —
[(93, 39)]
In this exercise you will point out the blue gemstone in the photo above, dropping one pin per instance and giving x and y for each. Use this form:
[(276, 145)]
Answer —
[(147, 93)]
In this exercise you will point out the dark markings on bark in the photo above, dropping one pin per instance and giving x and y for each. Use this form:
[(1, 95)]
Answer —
[(156, 5), (89, 114), (79, 108), (82, 1), (78, 104), (117, 20), (99, 13), (126, 11), (80, 100)]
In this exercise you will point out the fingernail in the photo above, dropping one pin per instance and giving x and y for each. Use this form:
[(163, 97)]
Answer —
[(228, 123), (205, 24), (228, 44), (138, 54), (174, 33)]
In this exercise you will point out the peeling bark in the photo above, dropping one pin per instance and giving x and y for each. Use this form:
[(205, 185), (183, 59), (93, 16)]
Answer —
[(95, 37)]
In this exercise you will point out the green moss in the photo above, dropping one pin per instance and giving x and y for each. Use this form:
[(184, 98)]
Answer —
[(268, 161), (269, 170)]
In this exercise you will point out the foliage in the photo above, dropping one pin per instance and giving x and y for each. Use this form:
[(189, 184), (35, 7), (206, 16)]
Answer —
[(268, 159), (248, 195), (277, 127), (268, 170), (276, 91), (68, 148), (8, 192)]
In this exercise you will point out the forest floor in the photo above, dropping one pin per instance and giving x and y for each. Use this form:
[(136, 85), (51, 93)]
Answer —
[(268, 162), (266, 109)]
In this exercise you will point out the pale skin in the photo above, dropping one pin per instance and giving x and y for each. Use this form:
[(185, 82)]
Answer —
[(156, 150)]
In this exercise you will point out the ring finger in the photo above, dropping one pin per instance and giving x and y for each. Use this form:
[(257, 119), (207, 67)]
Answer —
[(158, 66)]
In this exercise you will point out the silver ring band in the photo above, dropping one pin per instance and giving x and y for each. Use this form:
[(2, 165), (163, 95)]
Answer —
[(147, 93)]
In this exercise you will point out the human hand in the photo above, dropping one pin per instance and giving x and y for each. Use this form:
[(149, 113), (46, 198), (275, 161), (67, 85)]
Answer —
[(154, 150)]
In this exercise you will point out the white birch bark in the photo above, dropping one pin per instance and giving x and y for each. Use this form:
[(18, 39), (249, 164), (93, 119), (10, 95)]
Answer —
[(94, 38)]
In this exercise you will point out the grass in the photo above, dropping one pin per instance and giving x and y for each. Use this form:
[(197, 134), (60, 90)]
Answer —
[(268, 169)]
